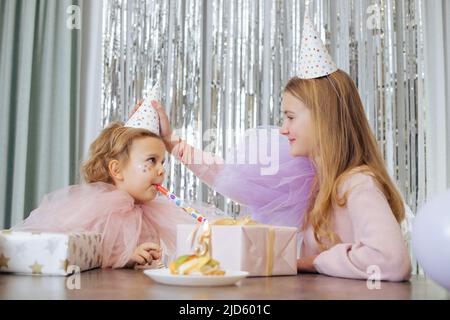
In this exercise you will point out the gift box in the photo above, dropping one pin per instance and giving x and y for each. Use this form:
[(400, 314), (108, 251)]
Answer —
[(261, 250), (43, 253)]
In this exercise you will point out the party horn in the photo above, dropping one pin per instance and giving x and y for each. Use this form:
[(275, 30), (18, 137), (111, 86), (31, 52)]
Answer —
[(180, 203)]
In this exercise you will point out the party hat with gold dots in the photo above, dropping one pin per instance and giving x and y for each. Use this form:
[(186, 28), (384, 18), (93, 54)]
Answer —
[(315, 61), (146, 116)]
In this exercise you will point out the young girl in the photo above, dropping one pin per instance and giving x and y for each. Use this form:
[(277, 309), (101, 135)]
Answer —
[(351, 223), (117, 200)]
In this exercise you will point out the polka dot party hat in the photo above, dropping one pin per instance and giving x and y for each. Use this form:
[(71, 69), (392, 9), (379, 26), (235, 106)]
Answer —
[(315, 61), (146, 116)]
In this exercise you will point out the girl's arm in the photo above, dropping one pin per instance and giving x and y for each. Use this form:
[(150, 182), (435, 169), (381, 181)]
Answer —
[(378, 251), (204, 165)]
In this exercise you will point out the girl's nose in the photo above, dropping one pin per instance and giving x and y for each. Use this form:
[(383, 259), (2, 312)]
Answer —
[(161, 171), (283, 130)]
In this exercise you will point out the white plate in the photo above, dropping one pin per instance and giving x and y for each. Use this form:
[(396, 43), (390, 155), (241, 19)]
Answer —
[(165, 277)]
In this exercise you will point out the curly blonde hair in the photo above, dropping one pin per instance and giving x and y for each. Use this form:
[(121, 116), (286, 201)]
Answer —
[(113, 143)]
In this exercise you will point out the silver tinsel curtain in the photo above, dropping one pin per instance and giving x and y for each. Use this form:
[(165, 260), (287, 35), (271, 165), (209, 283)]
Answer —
[(223, 64)]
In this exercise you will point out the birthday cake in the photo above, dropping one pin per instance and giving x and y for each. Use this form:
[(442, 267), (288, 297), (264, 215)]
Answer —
[(196, 265), (201, 263)]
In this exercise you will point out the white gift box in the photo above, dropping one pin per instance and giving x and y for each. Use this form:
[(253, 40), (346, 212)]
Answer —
[(261, 250), (45, 253)]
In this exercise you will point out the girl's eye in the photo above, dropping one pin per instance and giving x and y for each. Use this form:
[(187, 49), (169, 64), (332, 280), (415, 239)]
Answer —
[(151, 160)]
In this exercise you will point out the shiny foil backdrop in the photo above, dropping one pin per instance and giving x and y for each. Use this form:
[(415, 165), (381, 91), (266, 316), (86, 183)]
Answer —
[(223, 64)]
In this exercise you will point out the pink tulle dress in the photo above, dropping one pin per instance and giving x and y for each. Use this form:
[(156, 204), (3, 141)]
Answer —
[(102, 208)]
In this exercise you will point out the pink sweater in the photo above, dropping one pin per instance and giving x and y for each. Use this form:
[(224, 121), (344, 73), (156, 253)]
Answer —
[(371, 237)]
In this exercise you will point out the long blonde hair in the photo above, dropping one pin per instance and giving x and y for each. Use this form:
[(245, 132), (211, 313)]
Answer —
[(345, 144), (113, 143)]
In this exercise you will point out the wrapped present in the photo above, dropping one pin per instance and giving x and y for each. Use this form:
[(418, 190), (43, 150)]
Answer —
[(42, 253), (242, 245)]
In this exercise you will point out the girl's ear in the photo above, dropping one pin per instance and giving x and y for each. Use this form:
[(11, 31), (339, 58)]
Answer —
[(115, 170)]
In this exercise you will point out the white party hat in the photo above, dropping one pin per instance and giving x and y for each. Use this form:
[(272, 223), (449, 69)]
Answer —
[(315, 61), (146, 116)]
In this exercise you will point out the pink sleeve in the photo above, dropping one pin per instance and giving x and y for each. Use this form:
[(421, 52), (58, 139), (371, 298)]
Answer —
[(378, 242), (204, 165)]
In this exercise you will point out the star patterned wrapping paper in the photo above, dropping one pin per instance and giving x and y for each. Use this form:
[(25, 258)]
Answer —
[(43, 253)]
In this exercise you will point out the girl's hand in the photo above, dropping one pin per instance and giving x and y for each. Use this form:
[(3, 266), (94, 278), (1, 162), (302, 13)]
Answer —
[(145, 253), (135, 108), (164, 124), (306, 265), (166, 131)]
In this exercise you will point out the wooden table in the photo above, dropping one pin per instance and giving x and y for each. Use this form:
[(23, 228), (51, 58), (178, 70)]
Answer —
[(132, 284)]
